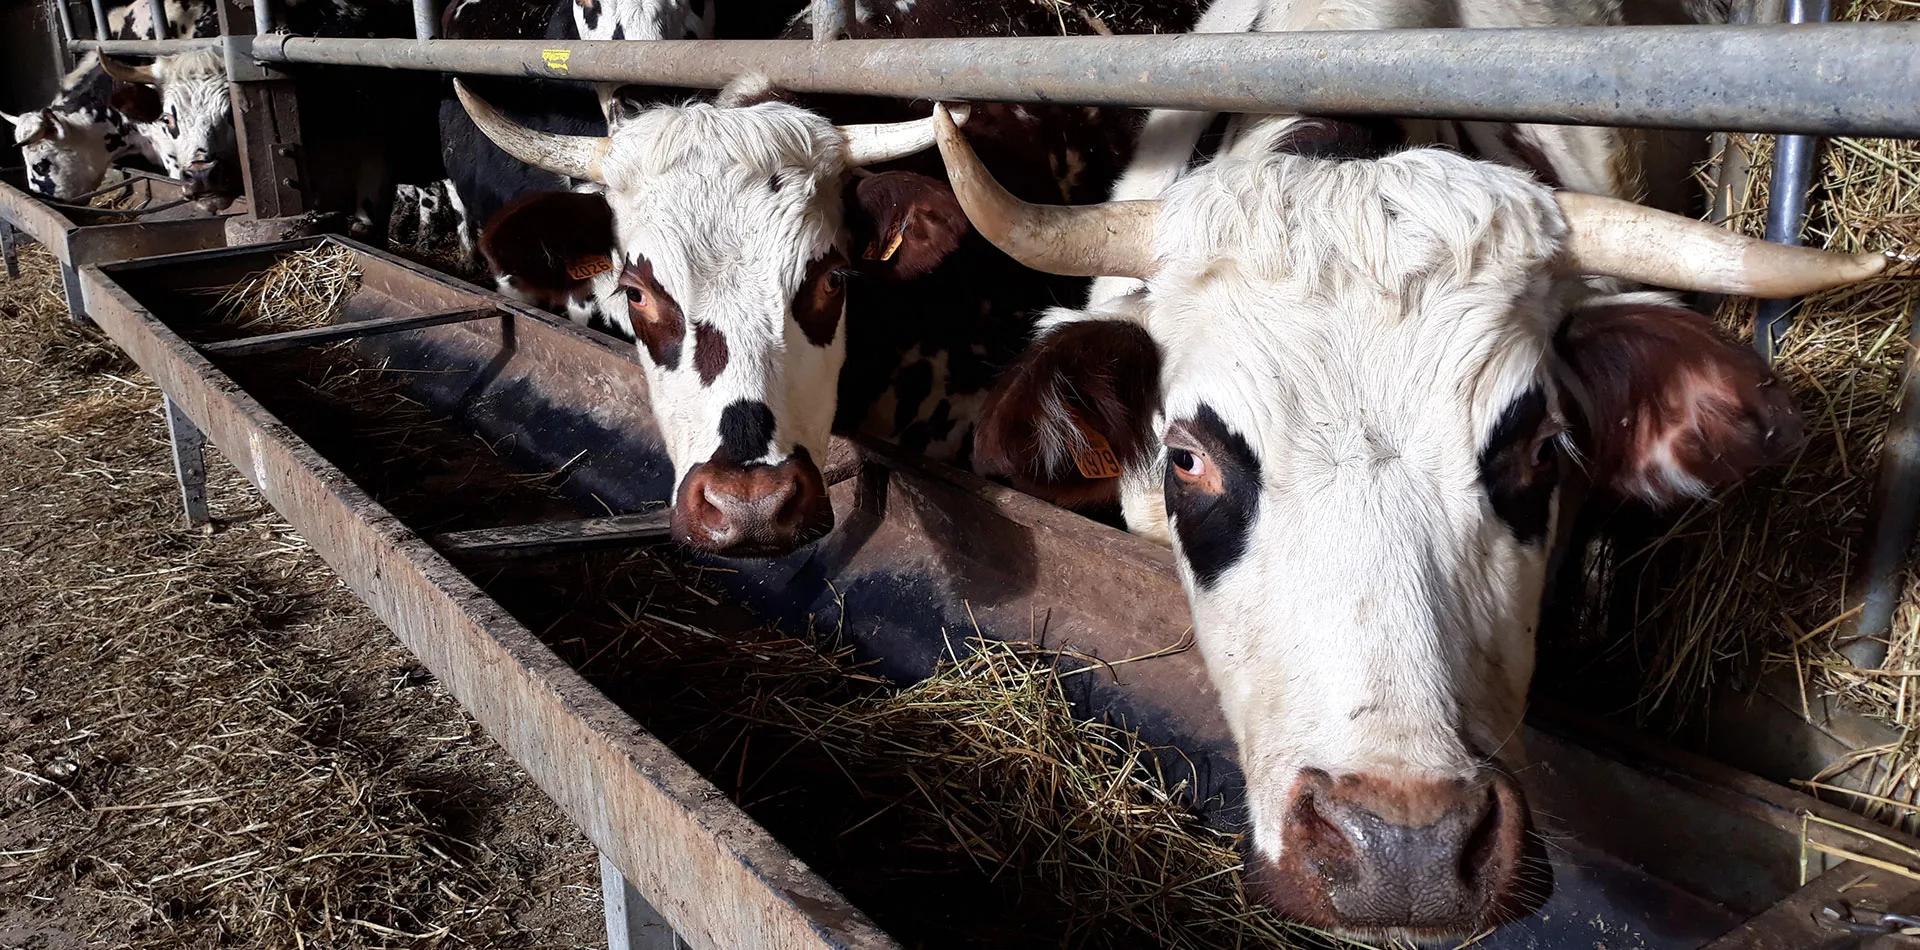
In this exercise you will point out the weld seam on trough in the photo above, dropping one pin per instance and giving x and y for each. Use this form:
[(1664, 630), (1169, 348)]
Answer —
[(1827, 79)]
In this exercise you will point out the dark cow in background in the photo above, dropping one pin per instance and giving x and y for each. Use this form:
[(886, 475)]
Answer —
[(1346, 386), (741, 244)]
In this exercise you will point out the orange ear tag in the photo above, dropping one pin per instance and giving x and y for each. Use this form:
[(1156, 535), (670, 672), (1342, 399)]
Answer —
[(581, 268), (1095, 457)]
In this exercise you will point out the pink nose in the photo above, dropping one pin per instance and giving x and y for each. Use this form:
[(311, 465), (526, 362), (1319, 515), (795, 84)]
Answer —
[(1431, 858), (752, 510)]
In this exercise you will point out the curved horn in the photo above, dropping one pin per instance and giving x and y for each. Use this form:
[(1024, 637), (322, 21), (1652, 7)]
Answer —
[(885, 141), (1114, 239), (125, 73), (575, 156), (1618, 238), (10, 117)]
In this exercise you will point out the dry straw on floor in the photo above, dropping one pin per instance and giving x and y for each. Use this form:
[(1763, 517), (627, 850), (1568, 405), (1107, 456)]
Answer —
[(301, 290), (1757, 574)]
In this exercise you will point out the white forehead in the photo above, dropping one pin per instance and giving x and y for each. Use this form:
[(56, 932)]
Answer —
[(710, 193), (1410, 291), (195, 84)]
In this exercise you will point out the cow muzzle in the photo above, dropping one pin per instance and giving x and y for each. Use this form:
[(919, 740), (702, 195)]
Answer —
[(1420, 859), (208, 184), (752, 510)]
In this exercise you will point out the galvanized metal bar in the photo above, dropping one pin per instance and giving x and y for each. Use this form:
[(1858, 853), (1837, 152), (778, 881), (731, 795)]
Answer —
[(314, 336), (632, 922), (829, 19), (262, 19), (1836, 79), (10, 249), (161, 28), (1893, 522), (148, 47), (76, 302), (66, 22), (539, 539), (99, 20), (189, 462), (426, 19), (1793, 159)]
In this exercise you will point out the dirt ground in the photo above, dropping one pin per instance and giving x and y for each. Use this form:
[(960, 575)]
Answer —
[(205, 740)]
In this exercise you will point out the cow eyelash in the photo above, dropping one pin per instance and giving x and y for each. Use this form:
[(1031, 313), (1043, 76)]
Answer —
[(841, 276)]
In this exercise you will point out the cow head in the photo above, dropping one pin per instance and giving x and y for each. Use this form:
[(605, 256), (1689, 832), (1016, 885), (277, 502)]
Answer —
[(188, 117), (725, 232), (64, 157), (1347, 395)]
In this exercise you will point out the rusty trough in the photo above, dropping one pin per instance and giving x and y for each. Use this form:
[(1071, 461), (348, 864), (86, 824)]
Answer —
[(153, 219), (1653, 847)]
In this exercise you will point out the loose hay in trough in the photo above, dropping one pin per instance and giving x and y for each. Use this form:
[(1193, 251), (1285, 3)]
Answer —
[(1753, 579), (301, 290)]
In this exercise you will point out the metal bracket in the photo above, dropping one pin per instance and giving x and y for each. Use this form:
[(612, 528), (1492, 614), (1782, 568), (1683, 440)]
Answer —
[(189, 462), (632, 923), (241, 66), (76, 300), (10, 249)]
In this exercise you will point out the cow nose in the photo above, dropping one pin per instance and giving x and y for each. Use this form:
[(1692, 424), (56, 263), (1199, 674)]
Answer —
[(752, 510), (199, 178), (1429, 858)]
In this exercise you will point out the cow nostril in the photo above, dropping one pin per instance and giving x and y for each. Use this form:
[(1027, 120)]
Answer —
[(1479, 852)]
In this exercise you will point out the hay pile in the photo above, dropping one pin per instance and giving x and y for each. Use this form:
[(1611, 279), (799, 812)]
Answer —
[(300, 290), (205, 740), (1757, 574)]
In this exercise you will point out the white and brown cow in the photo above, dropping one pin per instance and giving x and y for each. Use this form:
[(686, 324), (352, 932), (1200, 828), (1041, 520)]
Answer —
[(1347, 391), (181, 105)]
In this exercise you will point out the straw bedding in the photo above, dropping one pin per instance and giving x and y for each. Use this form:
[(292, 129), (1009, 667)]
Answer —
[(1753, 579)]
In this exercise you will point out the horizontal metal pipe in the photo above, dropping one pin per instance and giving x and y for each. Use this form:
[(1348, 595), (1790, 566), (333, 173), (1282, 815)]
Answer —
[(1835, 79), (147, 47)]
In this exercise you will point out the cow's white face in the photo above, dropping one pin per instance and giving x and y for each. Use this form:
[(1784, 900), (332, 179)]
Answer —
[(194, 132), (729, 236), (1360, 429), (1346, 396), (63, 157)]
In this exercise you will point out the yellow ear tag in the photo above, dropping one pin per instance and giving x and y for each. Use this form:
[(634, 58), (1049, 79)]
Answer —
[(584, 267), (1094, 457)]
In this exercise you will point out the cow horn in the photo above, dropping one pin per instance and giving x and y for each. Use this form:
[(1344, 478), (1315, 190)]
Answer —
[(125, 73), (886, 141), (1114, 239), (575, 156), (10, 117), (1618, 238)]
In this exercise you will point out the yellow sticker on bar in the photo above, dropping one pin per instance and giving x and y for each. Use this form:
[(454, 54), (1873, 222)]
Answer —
[(556, 59)]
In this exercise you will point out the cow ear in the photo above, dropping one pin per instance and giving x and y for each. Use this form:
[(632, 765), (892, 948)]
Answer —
[(905, 224), (136, 101), (550, 244), (1673, 408), (1074, 410)]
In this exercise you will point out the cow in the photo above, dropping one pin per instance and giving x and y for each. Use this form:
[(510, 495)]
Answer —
[(756, 264), (69, 145), (1351, 391), (181, 105), (134, 21)]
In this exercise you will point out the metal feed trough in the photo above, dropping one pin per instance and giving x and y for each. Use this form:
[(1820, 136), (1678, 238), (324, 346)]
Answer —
[(1655, 845), (1659, 848), (154, 219)]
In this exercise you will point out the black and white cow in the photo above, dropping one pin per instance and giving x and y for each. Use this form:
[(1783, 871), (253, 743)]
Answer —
[(69, 146), (729, 237), (180, 104), (1346, 387)]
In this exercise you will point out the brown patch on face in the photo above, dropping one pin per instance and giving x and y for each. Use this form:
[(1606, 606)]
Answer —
[(1672, 400), (709, 352), (822, 299), (656, 318), (136, 101)]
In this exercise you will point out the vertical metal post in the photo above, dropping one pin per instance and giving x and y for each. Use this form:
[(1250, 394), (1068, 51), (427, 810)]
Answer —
[(829, 19), (1793, 158), (76, 305), (632, 923), (266, 125), (262, 19), (10, 249), (189, 462), (426, 19), (1893, 521), (100, 21), (162, 30)]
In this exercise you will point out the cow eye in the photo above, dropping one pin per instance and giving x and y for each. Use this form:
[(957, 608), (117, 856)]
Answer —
[(636, 297), (1190, 465), (836, 281), (172, 122), (1546, 453)]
